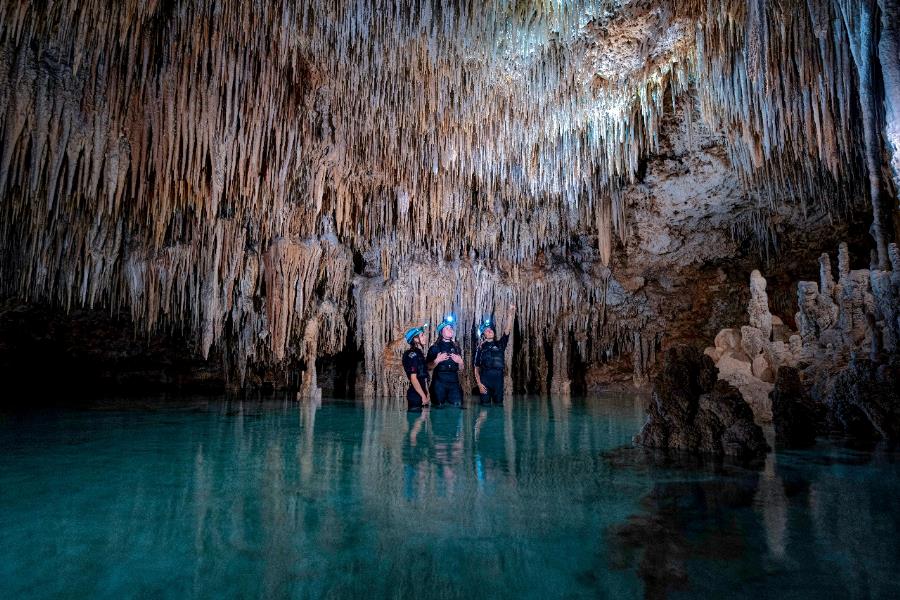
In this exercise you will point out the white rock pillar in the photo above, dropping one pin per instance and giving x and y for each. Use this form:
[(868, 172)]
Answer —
[(309, 387), (559, 383), (758, 308)]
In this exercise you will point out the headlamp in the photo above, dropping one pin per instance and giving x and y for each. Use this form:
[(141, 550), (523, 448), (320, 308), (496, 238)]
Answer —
[(448, 321), (484, 325)]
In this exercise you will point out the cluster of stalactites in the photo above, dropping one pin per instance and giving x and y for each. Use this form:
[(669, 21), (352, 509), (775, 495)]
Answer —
[(149, 150), (431, 116), (557, 306)]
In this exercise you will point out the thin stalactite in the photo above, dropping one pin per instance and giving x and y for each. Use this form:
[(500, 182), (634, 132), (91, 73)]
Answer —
[(215, 165)]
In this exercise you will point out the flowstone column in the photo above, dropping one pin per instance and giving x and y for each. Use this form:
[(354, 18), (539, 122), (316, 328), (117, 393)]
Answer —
[(508, 364), (560, 384), (889, 54), (309, 387), (638, 360)]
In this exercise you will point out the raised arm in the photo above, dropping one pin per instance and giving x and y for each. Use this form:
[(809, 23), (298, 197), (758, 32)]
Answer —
[(510, 319)]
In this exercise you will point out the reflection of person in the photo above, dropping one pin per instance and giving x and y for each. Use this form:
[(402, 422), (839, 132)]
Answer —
[(445, 358), (415, 462), (416, 428), (490, 359), (414, 366)]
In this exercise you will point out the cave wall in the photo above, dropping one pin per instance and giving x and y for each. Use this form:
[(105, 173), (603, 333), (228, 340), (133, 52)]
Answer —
[(287, 182)]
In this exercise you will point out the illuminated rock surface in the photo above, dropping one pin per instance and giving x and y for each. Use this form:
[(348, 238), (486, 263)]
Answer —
[(277, 183)]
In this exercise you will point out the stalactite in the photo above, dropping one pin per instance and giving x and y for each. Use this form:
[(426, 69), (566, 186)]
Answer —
[(215, 165), (889, 57), (859, 20)]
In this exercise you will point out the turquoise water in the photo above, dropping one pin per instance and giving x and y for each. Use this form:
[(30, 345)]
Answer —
[(532, 500)]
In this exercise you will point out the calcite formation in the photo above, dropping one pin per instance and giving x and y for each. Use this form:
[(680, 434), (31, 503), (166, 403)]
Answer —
[(692, 411), (284, 181), (749, 357), (847, 335)]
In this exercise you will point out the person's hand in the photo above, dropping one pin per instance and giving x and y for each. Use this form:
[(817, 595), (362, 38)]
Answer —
[(482, 388), (441, 357), (456, 358), (425, 400)]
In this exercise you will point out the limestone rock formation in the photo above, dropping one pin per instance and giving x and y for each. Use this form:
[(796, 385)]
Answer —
[(224, 169), (845, 354), (691, 411), (853, 317), (792, 412), (863, 399), (758, 309), (749, 358)]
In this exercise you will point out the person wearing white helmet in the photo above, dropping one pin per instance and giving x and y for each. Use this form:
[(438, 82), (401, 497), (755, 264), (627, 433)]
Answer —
[(445, 359)]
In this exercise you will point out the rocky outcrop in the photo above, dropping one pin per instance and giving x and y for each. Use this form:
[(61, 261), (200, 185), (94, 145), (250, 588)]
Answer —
[(749, 357), (863, 399), (792, 412), (845, 353), (691, 411), (850, 351)]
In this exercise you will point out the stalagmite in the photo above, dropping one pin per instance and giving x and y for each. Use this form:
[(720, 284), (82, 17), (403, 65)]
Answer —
[(559, 381), (839, 322), (309, 388), (758, 309)]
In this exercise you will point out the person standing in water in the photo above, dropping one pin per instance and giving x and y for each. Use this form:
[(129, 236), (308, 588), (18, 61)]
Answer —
[(416, 371), (445, 359), (490, 359)]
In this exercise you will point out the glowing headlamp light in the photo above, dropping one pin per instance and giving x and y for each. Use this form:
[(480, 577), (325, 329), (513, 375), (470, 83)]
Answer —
[(486, 324), (447, 322)]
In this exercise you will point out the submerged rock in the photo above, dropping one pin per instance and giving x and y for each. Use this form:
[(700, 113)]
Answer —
[(690, 410)]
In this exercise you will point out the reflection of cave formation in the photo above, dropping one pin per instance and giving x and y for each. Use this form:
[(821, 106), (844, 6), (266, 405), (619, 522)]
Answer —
[(805, 522)]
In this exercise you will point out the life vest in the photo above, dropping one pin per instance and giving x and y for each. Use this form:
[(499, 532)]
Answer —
[(491, 355)]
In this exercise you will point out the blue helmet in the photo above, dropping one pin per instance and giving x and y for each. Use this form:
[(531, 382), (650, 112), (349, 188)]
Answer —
[(413, 332), (486, 324), (449, 321)]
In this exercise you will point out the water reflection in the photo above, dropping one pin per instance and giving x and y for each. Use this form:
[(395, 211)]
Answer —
[(804, 526), (339, 499)]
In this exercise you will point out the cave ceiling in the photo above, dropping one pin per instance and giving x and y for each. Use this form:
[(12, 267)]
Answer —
[(211, 163)]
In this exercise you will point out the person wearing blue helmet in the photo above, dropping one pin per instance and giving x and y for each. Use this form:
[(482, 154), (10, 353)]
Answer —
[(490, 359), (445, 359), (416, 371)]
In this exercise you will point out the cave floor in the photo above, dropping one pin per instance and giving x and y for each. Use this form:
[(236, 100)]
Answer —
[(237, 498)]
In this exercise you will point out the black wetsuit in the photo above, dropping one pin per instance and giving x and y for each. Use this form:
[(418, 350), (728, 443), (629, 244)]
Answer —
[(490, 358), (414, 364), (445, 386)]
